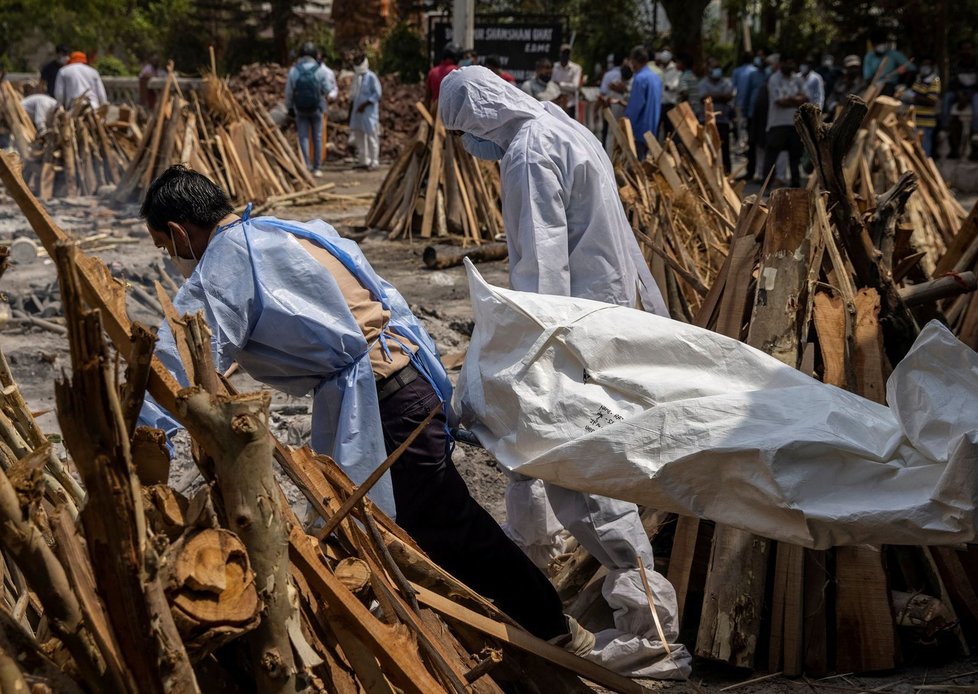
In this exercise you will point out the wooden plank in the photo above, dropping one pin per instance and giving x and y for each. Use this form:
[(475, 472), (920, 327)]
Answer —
[(866, 638), (786, 651), (517, 638), (434, 178), (962, 241), (830, 327), (869, 357), (959, 579), (390, 646), (815, 637), (734, 598), (681, 559)]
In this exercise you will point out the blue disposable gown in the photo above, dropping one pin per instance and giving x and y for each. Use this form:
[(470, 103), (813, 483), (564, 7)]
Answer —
[(277, 312), (370, 92)]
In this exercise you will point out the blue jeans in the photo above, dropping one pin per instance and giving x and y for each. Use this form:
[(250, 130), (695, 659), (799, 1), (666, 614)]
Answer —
[(303, 125), (927, 140)]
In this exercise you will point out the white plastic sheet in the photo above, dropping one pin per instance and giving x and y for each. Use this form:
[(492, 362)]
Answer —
[(614, 401)]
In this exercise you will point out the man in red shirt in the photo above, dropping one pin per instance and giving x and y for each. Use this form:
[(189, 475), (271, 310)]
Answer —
[(449, 62)]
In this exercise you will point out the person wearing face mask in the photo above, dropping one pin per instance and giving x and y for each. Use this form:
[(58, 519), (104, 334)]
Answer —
[(890, 63), (924, 96), (301, 309), (672, 77), (365, 93), (741, 81), (721, 91), (829, 72), (644, 106), (568, 75), (756, 123), (850, 82), (568, 235), (49, 73), (814, 84), (786, 92), (542, 87)]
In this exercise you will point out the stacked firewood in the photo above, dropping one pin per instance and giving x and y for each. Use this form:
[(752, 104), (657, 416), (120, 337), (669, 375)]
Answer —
[(14, 119), (436, 188), (681, 206), (120, 584), (232, 141), (834, 280), (81, 152), (78, 154)]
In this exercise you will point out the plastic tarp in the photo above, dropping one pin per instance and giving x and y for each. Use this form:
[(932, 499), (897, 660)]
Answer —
[(618, 402)]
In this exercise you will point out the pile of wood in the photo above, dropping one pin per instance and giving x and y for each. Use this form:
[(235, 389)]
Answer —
[(232, 141), (14, 119), (681, 205), (829, 280), (885, 147), (81, 152), (437, 189), (123, 585)]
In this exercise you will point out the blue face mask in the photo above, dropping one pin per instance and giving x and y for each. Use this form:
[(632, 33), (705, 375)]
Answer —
[(482, 149)]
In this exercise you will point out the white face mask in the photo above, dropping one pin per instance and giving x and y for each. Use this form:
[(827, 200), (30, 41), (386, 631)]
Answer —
[(186, 266)]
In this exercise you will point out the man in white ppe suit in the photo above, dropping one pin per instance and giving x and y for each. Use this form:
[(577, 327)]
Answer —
[(300, 309), (568, 235)]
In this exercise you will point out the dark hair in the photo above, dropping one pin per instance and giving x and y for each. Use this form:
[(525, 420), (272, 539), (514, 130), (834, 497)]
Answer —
[(184, 196), (308, 50), (877, 36), (543, 62), (640, 54), (451, 51), (62, 49), (492, 62)]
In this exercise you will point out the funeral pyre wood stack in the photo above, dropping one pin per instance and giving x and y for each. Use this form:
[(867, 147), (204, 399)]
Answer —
[(681, 206), (14, 119), (831, 281), (123, 585), (437, 189), (79, 153), (233, 142)]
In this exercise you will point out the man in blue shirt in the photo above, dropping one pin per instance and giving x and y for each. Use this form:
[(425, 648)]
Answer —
[(897, 64), (645, 103)]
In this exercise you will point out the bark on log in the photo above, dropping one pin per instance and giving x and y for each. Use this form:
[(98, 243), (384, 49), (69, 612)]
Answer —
[(939, 288), (234, 432), (26, 545), (441, 257), (211, 589), (91, 419)]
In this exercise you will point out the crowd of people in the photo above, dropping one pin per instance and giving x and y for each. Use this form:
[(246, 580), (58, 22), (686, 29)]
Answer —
[(753, 102)]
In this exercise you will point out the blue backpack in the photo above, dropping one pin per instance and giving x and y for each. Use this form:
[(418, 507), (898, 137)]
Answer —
[(306, 91)]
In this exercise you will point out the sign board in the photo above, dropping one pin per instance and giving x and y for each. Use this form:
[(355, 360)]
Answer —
[(517, 44)]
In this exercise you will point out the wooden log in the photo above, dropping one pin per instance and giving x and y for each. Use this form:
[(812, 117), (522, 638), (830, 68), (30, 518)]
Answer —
[(92, 423), (26, 545), (866, 638), (211, 589), (940, 288), (234, 432), (434, 177), (442, 257)]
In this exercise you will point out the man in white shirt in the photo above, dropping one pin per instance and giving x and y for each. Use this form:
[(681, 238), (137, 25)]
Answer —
[(39, 107), (568, 75), (814, 84), (77, 79)]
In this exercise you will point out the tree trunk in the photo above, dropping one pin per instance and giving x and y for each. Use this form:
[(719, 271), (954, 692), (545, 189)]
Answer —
[(686, 18)]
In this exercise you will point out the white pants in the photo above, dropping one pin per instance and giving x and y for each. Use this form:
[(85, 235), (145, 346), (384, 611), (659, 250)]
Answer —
[(611, 531), (368, 148)]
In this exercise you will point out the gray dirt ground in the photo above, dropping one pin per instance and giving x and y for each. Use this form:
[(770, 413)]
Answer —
[(439, 298)]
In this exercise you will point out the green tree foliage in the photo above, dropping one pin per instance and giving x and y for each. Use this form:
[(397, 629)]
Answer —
[(402, 51)]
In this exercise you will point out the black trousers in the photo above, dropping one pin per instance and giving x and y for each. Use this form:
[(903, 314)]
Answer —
[(435, 508), (723, 128), (780, 138)]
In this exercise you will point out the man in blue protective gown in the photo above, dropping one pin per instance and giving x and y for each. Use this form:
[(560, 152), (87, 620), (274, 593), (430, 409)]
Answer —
[(300, 309)]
